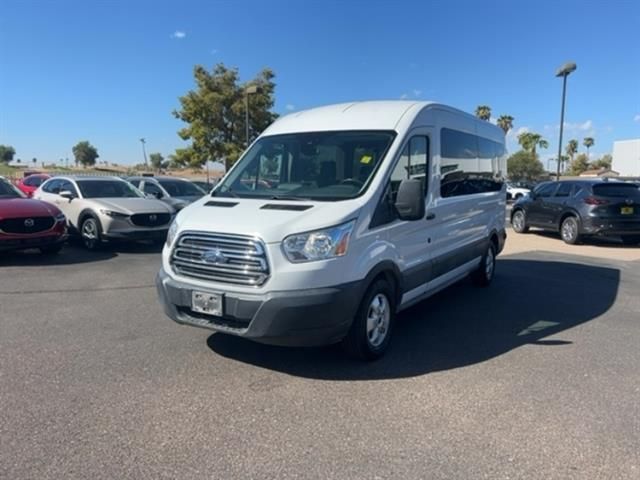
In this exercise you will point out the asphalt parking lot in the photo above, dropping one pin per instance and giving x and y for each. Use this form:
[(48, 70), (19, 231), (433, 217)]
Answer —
[(535, 377)]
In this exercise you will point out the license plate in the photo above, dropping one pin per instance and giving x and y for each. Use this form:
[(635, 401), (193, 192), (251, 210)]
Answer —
[(626, 210), (207, 303)]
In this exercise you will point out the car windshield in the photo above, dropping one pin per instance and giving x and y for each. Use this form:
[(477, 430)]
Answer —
[(107, 189), (181, 188), (326, 166), (9, 191), (616, 190)]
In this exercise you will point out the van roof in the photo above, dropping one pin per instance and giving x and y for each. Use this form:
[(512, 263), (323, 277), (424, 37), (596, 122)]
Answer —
[(368, 115)]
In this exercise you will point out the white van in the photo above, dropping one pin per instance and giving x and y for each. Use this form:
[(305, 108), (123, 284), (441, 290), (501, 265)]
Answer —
[(335, 219)]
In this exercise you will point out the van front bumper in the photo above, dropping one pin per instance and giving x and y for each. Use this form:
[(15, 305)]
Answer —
[(311, 317)]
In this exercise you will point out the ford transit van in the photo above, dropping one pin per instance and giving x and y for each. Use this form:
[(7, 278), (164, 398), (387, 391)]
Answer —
[(337, 218)]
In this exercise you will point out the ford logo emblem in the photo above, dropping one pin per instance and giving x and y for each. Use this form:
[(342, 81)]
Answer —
[(29, 223), (214, 256)]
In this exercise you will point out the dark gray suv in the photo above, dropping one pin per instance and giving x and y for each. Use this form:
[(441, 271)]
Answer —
[(580, 208)]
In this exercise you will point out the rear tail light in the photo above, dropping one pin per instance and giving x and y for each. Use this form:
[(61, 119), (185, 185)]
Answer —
[(595, 201)]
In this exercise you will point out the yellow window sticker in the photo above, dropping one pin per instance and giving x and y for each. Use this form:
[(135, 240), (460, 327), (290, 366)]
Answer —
[(366, 159)]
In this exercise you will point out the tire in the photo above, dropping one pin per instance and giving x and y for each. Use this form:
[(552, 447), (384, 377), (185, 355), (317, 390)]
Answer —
[(483, 275), (370, 332), (519, 222), (91, 233), (631, 240), (51, 249), (570, 230)]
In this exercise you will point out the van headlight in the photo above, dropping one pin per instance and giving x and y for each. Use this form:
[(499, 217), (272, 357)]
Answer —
[(171, 234), (319, 245)]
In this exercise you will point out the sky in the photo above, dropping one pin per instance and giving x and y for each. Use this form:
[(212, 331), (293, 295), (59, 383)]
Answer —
[(111, 71)]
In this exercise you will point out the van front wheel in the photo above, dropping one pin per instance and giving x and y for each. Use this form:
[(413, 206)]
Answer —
[(370, 332)]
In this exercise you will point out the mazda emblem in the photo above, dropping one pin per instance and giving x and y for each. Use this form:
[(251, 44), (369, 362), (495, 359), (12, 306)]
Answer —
[(214, 256), (153, 218), (628, 201), (29, 223)]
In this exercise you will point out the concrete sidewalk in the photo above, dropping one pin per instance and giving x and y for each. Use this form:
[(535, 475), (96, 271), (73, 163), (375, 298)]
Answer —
[(542, 241)]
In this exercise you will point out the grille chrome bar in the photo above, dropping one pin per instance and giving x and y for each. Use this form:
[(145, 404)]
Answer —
[(238, 259)]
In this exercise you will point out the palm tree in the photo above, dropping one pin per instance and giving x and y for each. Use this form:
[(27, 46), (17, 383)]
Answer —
[(588, 142), (505, 122), (531, 141), (483, 112), (572, 148)]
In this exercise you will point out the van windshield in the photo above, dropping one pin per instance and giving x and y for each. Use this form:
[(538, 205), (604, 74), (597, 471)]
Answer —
[(325, 166)]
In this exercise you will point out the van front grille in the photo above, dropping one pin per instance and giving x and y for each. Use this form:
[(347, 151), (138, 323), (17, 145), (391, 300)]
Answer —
[(236, 259)]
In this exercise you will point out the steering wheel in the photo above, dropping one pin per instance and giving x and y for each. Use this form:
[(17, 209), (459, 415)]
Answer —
[(352, 181)]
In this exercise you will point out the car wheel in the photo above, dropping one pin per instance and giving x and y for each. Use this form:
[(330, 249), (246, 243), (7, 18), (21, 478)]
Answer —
[(91, 233), (570, 230), (370, 332), (51, 250), (485, 272), (519, 222), (631, 240)]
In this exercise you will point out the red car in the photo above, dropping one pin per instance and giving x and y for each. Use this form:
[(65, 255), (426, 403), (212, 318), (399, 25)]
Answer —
[(27, 223), (30, 184)]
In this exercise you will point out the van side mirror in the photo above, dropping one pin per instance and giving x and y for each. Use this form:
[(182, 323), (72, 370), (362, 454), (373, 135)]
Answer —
[(66, 194), (410, 203)]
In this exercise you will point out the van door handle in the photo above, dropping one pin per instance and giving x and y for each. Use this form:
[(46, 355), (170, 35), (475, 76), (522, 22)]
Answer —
[(431, 216)]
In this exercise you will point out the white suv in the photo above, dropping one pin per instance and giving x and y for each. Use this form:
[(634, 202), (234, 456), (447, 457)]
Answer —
[(106, 208), (337, 218)]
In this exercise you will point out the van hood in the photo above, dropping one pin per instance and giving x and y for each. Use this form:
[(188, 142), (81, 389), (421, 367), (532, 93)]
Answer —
[(272, 224)]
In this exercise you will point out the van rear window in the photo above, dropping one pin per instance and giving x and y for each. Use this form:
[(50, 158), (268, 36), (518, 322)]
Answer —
[(616, 190)]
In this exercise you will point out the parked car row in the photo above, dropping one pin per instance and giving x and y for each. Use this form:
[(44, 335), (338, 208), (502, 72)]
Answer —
[(97, 209), (581, 208)]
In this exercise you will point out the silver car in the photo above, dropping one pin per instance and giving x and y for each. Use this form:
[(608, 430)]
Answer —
[(107, 208), (176, 192)]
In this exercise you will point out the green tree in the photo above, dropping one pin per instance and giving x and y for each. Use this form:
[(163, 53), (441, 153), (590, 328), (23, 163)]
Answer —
[(215, 113), (183, 157), (530, 142), (157, 161), (571, 148), (579, 165), (588, 142), (603, 163), (6, 153), (85, 154), (483, 112), (505, 122), (524, 166)]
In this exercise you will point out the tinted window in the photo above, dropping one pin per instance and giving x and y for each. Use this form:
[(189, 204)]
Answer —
[(107, 189), (33, 181), (412, 163), (469, 164), (616, 190), (69, 187), (52, 186), (564, 190), (180, 188), (317, 165), (545, 190), (8, 191), (135, 183), (151, 188)]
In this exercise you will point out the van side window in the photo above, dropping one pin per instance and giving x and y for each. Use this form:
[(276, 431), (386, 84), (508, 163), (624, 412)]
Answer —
[(411, 164), (469, 164)]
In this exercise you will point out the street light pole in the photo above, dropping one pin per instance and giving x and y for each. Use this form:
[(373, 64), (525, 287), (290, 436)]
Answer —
[(144, 152), (563, 72), (253, 89)]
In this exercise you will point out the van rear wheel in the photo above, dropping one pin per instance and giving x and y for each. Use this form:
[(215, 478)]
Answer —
[(370, 332), (485, 272)]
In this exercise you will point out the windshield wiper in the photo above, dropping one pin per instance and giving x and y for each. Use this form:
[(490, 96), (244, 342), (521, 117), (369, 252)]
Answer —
[(290, 197)]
